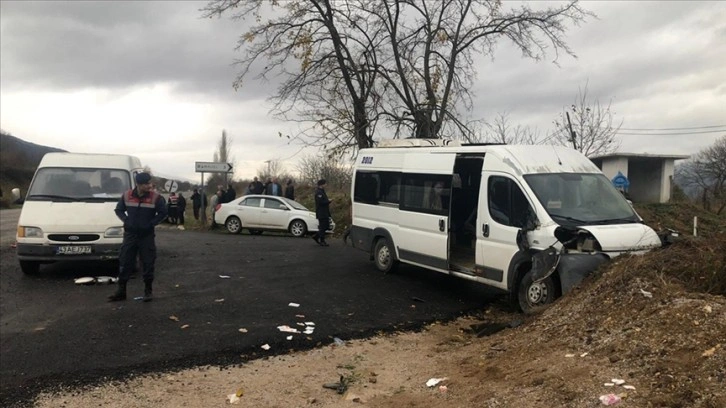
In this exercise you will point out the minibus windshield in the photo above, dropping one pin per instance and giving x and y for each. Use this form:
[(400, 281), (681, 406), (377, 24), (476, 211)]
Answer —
[(78, 184), (581, 199)]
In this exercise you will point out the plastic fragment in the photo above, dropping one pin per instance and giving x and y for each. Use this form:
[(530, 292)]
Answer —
[(617, 381), (233, 399), (629, 387), (584, 354), (174, 318), (219, 300), (609, 399), (609, 384), (186, 326), (242, 330), (569, 355), (646, 293), (224, 276), (289, 337), (434, 381), (292, 304), (265, 347), (338, 342)]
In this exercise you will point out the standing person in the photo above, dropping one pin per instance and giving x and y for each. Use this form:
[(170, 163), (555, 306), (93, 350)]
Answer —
[(213, 201), (181, 205), (256, 186), (172, 207), (273, 187), (230, 194), (322, 212), (196, 203), (140, 209), (290, 189)]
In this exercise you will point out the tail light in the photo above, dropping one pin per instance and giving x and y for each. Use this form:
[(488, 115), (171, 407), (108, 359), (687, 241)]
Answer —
[(217, 207)]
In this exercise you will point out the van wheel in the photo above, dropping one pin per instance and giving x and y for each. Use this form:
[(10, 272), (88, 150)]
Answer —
[(298, 228), (383, 256), (535, 297), (30, 267), (233, 225)]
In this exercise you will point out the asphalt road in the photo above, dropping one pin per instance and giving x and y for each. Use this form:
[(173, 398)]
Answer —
[(55, 333)]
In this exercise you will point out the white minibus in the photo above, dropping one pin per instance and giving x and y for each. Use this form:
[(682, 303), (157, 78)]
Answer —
[(530, 220), (68, 212)]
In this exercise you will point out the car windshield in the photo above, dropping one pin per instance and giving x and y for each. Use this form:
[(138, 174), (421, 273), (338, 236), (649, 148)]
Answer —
[(78, 184), (581, 199), (294, 204)]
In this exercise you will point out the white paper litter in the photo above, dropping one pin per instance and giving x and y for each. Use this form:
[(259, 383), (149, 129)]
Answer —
[(224, 276), (243, 330), (433, 381), (289, 337), (609, 384), (291, 304), (617, 381), (584, 354), (265, 347), (309, 324), (569, 355), (646, 293), (233, 398), (287, 329), (629, 387), (300, 316), (219, 300), (308, 331)]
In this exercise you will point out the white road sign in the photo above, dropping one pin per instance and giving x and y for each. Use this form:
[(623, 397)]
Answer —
[(213, 167), (171, 186)]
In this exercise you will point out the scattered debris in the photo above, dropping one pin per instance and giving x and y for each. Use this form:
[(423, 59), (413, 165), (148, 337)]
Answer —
[(629, 387), (341, 386), (233, 399), (287, 329), (609, 384), (707, 309), (338, 342), (224, 276), (569, 355), (646, 293), (710, 352), (85, 281), (434, 381), (584, 354), (106, 279), (289, 337), (609, 399), (300, 316), (174, 318), (291, 304), (243, 330), (219, 300), (443, 389), (617, 381), (265, 347), (139, 298), (186, 326)]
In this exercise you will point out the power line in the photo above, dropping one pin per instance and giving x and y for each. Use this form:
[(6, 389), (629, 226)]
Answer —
[(682, 128), (671, 134)]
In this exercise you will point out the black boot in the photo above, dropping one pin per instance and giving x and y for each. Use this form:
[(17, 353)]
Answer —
[(120, 293), (147, 291)]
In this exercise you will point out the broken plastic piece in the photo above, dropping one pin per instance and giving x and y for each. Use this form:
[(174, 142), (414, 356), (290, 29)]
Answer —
[(629, 387), (646, 293), (291, 304), (243, 330), (224, 276), (338, 342), (265, 347), (617, 381), (174, 318), (289, 337), (233, 399)]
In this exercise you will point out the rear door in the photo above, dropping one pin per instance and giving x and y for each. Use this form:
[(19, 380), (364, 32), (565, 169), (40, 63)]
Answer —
[(424, 209)]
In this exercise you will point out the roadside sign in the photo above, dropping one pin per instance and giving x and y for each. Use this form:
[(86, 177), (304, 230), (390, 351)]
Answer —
[(171, 186), (213, 167)]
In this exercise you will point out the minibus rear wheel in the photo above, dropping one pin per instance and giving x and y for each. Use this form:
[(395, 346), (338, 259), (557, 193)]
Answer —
[(383, 256), (535, 297)]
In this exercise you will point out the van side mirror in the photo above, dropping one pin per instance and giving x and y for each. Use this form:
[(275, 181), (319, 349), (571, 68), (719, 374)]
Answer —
[(16, 195)]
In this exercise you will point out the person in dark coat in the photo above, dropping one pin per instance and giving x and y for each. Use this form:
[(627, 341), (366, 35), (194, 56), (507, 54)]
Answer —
[(140, 209), (256, 187), (173, 205), (322, 212), (273, 188), (290, 189), (181, 205), (230, 194), (196, 203)]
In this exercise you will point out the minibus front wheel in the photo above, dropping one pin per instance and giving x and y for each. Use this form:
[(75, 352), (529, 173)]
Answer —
[(384, 257), (533, 296)]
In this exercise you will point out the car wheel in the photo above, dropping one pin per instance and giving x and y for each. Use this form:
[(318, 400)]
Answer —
[(233, 225), (298, 228), (535, 297), (30, 267), (255, 232), (383, 256)]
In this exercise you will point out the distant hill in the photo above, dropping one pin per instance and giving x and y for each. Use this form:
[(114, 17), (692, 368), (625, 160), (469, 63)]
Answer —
[(18, 161)]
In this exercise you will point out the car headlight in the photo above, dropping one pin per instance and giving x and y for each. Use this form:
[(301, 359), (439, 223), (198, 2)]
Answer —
[(114, 232), (29, 232)]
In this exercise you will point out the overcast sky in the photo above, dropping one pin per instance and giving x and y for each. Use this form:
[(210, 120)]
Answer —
[(154, 79)]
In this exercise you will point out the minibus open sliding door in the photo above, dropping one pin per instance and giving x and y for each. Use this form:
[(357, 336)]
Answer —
[(424, 209)]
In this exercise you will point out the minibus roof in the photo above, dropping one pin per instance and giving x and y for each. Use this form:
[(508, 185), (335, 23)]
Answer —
[(90, 160)]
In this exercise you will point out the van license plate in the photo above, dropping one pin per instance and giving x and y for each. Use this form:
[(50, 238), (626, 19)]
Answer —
[(73, 250)]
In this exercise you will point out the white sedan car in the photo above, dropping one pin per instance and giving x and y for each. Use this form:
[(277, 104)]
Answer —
[(257, 213)]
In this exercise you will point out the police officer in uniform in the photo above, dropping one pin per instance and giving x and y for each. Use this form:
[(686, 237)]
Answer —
[(322, 212), (140, 209)]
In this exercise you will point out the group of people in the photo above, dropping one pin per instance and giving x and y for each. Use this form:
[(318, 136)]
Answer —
[(272, 187)]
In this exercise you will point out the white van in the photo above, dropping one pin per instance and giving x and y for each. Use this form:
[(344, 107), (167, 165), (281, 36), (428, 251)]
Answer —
[(68, 212), (530, 220)]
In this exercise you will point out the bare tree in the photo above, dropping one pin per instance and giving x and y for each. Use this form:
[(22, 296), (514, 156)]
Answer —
[(334, 169), (593, 125), (346, 65), (706, 174), (500, 130)]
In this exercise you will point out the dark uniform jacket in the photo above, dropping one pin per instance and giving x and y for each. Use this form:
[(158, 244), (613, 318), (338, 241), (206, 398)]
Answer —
[(141, 214), (322, 204)]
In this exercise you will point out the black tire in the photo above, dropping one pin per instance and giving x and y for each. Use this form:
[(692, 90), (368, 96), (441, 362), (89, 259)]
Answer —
[(383, 256), (233, 225), (255, 232), (298, 228), (30, 267), (535, 297)]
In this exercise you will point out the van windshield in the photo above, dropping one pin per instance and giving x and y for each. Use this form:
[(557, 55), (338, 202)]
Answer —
[(581, 199), (78, 184)]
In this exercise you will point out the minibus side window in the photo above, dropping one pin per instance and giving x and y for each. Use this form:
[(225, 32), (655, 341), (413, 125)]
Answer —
[(375, 187), (427, 193), (507, 204)]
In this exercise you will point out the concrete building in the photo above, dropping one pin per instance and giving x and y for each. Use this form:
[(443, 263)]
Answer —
[(650, 175)]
